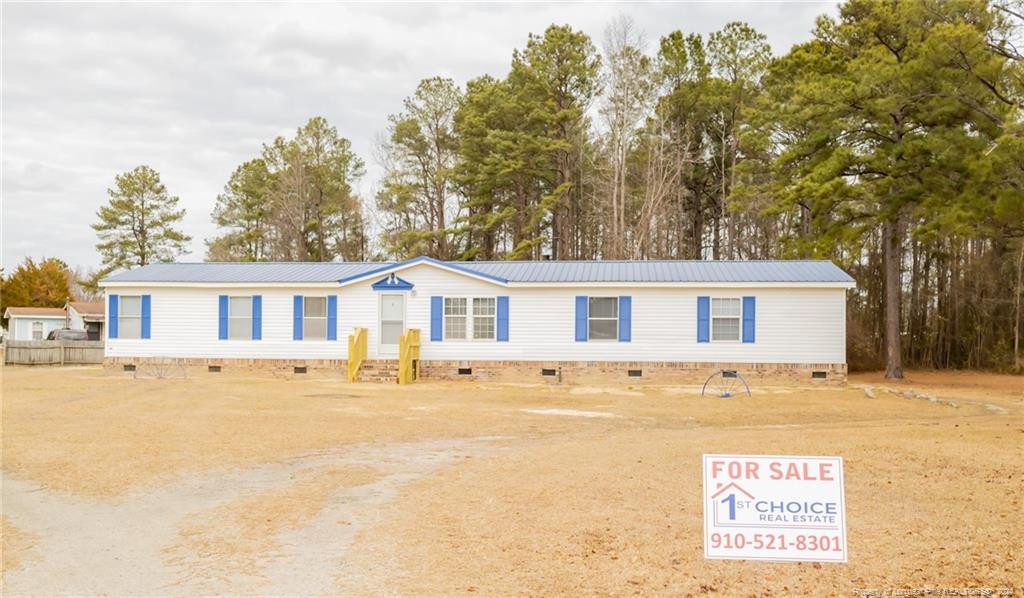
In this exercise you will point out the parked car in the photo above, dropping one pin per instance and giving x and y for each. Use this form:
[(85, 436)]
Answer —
[(67, 334)]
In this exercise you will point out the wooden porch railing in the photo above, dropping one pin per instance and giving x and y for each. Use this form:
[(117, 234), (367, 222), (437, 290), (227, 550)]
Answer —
[(356, 352), (409, 356)]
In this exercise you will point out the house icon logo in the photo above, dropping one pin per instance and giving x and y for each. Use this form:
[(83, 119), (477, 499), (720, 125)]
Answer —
[(729, 499), (731, 485)]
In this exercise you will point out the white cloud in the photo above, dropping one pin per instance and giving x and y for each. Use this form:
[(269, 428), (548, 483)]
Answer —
[(92, 90)]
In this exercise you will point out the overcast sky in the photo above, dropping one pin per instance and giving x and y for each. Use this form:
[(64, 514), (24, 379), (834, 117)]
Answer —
[(193, 90)]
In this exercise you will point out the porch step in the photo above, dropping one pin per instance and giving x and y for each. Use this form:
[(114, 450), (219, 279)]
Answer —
[(378, 370)]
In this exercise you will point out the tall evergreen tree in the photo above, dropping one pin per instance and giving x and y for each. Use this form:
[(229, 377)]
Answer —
[(886, 116), (138, 224), (419, 155), (557, 75), (295, 202), (242, 208)]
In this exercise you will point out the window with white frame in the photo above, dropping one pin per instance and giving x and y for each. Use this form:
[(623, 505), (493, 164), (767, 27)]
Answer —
[(603, 319), (483, 318), (314, 318), (455, 317), (725, 318), (129, 316), (240, 318), (37, 331), (470, 318)]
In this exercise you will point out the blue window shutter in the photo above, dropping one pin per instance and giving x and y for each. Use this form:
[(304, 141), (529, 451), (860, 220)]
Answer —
[(145, 316), (112, 317), (502, 318), (332, 317), (222, 317), (748, 319), (581, 318), (436, 318), (297, 318), (257, 317), (703, 319), (625, 318)]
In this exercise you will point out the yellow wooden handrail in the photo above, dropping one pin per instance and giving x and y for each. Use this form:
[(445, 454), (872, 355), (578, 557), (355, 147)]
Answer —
[(356, 352), (409, 356)]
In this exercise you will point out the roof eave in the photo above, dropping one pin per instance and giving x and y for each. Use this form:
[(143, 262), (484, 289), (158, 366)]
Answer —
[(416, 261), (510, 284), (694, 284)]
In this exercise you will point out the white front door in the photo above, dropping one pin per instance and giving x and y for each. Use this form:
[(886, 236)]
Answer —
[(392, 322)]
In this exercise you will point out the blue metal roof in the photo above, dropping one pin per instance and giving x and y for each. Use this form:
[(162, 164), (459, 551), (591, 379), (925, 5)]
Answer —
[(648, 271), (244, 272), (666, 271)]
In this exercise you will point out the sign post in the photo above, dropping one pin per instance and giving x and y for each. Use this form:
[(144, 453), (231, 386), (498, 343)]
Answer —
[(774, 508)]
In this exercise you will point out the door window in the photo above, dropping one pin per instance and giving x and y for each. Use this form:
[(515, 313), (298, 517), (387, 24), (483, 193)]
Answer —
[(392, 318)]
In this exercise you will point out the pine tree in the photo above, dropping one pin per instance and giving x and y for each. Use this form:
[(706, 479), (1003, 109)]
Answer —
[(242, 208), (886, 117), (137, 226)]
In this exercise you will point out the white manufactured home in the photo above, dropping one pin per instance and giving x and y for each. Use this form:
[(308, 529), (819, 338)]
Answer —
[(512, 320)]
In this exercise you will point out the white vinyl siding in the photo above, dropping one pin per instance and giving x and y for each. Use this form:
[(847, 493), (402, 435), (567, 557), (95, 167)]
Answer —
[(794, 325), (725, 318), (20, 328), (240, 318), (129, 316)]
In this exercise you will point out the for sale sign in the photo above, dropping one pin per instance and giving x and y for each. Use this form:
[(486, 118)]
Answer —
[(774, 508)]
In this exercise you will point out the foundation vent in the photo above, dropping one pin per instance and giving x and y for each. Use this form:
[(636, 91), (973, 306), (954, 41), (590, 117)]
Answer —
[(129, 367), (213, 369), (465, 371), (548, 372), (635, 373), (299, 369), (819, 375)]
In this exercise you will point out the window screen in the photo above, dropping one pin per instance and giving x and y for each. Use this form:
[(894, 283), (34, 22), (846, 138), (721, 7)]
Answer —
[(603, 318), (483, 317), (240, 318), (455, 317), (314, 318), (725, 319), (129, 317)]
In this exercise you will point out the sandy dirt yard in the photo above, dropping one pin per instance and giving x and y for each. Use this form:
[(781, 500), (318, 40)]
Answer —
[(253, 484)]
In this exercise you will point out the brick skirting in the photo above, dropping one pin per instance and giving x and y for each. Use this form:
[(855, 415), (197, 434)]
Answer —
[(565, 372)]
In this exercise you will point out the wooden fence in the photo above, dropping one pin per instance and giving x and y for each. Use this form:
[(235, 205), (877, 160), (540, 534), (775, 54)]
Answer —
[(53, 352)]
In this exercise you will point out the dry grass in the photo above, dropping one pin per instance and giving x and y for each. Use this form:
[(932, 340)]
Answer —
[(618, 511), (16, 545), (934, 498), (570, 504), (92, 432), (234, 539)]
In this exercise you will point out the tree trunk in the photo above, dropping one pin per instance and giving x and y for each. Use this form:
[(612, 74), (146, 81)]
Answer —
[(321, 246), (698, 228), (893, 290), (1018, 364)]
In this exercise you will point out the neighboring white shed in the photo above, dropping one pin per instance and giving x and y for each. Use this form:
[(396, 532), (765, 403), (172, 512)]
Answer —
[(491, 319), (33, 323), (87, 316)]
